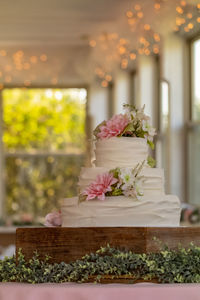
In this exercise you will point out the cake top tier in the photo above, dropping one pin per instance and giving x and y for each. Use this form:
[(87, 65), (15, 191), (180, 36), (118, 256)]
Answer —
[(132, 124), (120, 152)]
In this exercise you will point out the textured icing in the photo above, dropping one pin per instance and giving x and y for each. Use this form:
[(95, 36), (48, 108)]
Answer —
[(120, 152), (153, 184), (153, 209), (122, 211)]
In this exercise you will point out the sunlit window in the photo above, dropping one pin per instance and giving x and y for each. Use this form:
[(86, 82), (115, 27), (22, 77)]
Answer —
[(44, 144), (196, 80), (193, 147)]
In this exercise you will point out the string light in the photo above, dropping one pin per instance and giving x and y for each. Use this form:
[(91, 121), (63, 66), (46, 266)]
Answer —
[(147, 27), (43, 57), (124, 63), (33, 59), (183, 3), (104, 83), (157, 6), (137, 7), (176, 28), (132, 56), (198, 20), (141, 51), (129, 14), (147, 52), (131, 21), (92, 43), (156, 37), (190, 26), (108, 77), (122, 50), (186, 29), (140, 15), (179, 10), (198, 5), (189, 16), (156, 49)]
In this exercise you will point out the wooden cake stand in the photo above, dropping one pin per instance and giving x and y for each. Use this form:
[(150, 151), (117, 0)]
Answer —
[(69, 244)]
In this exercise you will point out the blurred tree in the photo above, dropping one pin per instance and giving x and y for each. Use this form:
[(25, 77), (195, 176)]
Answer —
[(44, 140), (43, 119)]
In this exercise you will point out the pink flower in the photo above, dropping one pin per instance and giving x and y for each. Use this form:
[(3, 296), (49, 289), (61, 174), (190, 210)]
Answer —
[(100, 186), (113, 127), (53, 219)]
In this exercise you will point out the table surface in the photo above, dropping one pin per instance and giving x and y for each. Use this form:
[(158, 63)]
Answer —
[(141, 291)]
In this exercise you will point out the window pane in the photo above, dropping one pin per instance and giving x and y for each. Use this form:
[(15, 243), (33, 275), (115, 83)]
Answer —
[(44, 141), (196, 80), (49, 120), (194, 164)]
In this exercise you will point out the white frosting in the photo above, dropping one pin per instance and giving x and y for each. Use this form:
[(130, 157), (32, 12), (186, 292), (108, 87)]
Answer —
[(122, 211), (153, 179), (153, 209), (120, 152)]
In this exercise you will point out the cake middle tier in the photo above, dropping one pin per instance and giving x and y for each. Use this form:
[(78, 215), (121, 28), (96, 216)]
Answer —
[(120, 152), (153, 179)]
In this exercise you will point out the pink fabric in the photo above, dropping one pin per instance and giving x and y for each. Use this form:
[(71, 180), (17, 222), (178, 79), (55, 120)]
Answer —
[(68, 291)]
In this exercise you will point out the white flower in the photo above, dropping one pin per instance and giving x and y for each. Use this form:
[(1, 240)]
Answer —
[(147, 127), (152, 131), (139, 183), (130, 192), (127, 177)]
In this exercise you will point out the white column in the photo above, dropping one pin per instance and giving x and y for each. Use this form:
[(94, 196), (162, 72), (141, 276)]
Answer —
[(148, 86), (98, 106), (174, 68), (122, 90), (2, 212)]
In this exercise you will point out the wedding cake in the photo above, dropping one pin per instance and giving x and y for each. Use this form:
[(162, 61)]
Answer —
[(122, 188)]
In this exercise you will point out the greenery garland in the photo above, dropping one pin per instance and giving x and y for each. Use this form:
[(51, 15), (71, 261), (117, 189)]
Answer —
[(166, 266)]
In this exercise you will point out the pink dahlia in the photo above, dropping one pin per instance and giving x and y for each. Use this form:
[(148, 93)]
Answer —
[(100, 186), (53, 219), (113, 127)]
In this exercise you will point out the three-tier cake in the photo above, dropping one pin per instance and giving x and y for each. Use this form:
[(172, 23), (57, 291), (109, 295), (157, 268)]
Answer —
[(122, 188)]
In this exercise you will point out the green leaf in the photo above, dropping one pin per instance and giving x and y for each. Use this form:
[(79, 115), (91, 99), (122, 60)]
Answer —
[(151, 144), (151, 161), (116, 192), (129, 127), (97, 129)]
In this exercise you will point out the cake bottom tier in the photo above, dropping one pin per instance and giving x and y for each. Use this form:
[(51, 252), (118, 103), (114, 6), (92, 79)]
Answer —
[(122, 211)]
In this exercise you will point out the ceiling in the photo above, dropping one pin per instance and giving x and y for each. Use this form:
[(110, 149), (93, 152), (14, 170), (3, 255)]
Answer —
[(59, 30)]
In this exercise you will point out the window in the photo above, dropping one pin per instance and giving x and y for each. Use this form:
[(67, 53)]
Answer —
[(196, 80), (162, 142), (194, 127), (44, 148)]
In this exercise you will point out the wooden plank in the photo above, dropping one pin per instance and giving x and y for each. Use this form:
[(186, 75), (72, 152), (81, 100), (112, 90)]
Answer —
[(69, 244), (172, 237)]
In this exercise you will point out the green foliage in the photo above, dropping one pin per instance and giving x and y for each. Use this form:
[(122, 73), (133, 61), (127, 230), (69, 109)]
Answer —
[(151, 161), (151, 144), (166, 266), (37, 122), (34, 120), (35, 185)]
